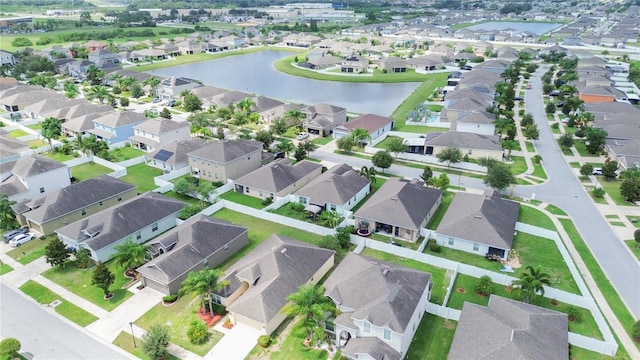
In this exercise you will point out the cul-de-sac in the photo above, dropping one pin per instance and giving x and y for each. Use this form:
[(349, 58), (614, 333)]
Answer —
[(321, 180)]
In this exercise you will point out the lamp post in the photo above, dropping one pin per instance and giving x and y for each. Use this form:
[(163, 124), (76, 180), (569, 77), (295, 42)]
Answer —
[(133, 337)]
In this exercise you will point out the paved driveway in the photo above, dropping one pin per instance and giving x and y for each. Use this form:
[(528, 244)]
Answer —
[(235, 344)]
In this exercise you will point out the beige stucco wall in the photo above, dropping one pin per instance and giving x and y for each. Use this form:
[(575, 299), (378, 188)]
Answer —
[(232, 170), (475, 153), (286, 191)]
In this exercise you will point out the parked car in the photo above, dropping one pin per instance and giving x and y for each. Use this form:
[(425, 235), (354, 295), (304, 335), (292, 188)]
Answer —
[(278, 155), (518, 98), (466, 67), (559, 104), (22, 239), (156, 100), (597, 171), (529, 86), (302, 136), (13, 233), (171, 103)]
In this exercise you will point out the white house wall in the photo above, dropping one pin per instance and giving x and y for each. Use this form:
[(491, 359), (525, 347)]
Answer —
[(49, 181), (465, 245), (376, 331), (482, 129)]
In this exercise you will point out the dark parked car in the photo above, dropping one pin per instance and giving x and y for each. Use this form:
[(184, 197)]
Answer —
[(278, 155), (518, 98), (171, 103), (559, 104), (466, 67), (13, 233)]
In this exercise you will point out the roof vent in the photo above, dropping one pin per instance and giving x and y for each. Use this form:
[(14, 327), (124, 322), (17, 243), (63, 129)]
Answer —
[(283, 251), (385, 271), (394, 198), (477, 216)]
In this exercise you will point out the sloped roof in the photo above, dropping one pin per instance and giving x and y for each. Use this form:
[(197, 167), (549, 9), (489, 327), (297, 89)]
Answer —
[(335, 186), (275, 268), (195, 240), (467, 104), (488, 219), (177, 151), (390, 303), (74, 197), (468, 93), (82, 123), (224, 151), (122, 220), (51, 104), (120, 118), (278, 175), (35, 165), (509, 329), (160, 126), (600, 90), (369, 122), (323, 108), (400, 202), (477, 117), (372, 346), (12, 186), (464, 140)]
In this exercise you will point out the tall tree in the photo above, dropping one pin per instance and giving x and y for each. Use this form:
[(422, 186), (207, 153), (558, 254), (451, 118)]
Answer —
[(204, 283), (285, 146), (345, 143), (130, 254), (368, 173), (499, 176), (246, 104), (396, 145), (156, 341), (382, 159), (103, 278), (311, 303), (361, 136), (531, 282), (531, 132), (136, 91), (7, 215), (509, 145), (98, 92), (278, 126), (295, 116), (427, 175), (595, 139), (51, 129), (192, 103), (450, 155), (332, 218), (56, 253), (265, 137), (153, 83), (94, 75)]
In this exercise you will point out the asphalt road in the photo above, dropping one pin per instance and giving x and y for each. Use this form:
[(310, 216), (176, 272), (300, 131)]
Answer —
[(43, 335)]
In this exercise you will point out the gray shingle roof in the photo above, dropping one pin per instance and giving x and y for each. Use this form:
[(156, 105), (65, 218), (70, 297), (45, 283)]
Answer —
[(178, 151), (277, 175), (509, 329), (120, 118), (280, 265), (369, 122), (400, 202), (12, 186), (224, 151), (335, 186), (119, 221), (74, 197), (324, 109), (34, 165), (390, 303), (160, 126), (487, 219), (464, 140), (196, 239), (371, 346)]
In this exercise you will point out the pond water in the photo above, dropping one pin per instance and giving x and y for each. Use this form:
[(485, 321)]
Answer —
[(254, 73), (534, 27)]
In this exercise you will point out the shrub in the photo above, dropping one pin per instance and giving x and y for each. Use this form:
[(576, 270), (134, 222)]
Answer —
[(9, 347), (329, 242), (434, 246), (635, 329), (124, 102), (343, 235), (267, 201), (198, 333), (116, 90), (189, 211), (217, 184), (598, 192), (484, 285), (297, 206), (573, 313), (83, 259), (170, 298), (264, 341), (21, 42)]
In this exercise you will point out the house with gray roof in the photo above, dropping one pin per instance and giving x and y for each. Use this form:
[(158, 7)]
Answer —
[(80, 125), (227, 98), (476, 146), (202, 241), (510, 329), (399, 208), (173, 156), (156, 133), (116, 126), (379, 321), (261, 281), (11, 150), (322, 118), (475, 121), (376, 126), (338, 189), (480, 224), (220, 160), (171, 87), (33, 176), (278, 178), (47, 213), (138, 219)]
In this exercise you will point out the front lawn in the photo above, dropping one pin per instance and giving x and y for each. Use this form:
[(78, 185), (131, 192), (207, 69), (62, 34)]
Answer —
[(125, 342), (518, 165), (533, 216), (433, 338), (555, 210), (438, 275), (322, 140), (243, 199), (635, 248), (587, 326), (18, 133), (78, 281), (178, 316), (88, 171), (44, 296), (4, 268), (293, 347), (31, 250), (142, 176), (612, 188), (125, 153)]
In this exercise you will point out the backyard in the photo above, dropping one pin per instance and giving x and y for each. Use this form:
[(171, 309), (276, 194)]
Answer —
[(88, 171), (433, 338), (142, 176), (243, 199), (125, 153), (296, 211)]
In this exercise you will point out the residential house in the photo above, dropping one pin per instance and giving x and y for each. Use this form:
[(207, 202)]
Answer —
[(7, 58), (480, 224), (376, 322), (37, 110), (154, 134), (78, 68), (103, 56), (393, 64), (475, 121), (171, 87), (47, 213), (599, 93), (323, 62), (509, 329), (80, 125), (399, 208), (74, 109), (322, 119), (202, 241), (338, 189), (496, 66), (453, 97), (11, 150), (457, 108), (475, 146), (169, 49), (375, 125), (279, 111), (173, 156), (16, 98), (228, 97), (442, 50), (221, 160), (189, 47), (33, 176), (93, 45), (481, 47), (426, 62), (354, 64), (137, 219), (261, 281), (206, 93), (116, 126), (278, 178)]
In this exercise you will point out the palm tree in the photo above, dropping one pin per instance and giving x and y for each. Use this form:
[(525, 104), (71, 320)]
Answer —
[(285, 146), (204, 283), (184, 93), (126, 82), (332, 218), (531, 283), (117, 78), (153, 82), (361, 136), (311, 303), (130, 255), (246, 104), (7, 215), (98, 92), (368, 173), (296, 116)]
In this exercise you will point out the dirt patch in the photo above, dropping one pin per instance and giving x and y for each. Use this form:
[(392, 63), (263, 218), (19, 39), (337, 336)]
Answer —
[(514, 260), (449, 324), (461, 290)]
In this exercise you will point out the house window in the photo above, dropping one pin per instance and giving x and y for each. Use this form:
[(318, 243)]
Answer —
[(387, 334), (84, 212), (475, 247), (41, 190), (216, 176), (226, 247), (470, 151), (194, 160), (209, 173), (367, 327), (450, 241), (333, 207), (138, 235), (246, 189), (216, 299), (215, 165), (154, 227), (261, 193), (205, 262)]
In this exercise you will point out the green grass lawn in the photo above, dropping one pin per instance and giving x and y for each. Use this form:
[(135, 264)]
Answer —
[(323, 140), (18, 133), (125, 153), (440, 281), (288, 211), (293, 347), (374, 187), (142, 176), (635, 249), (4, 268), (243, 199), (575, 164), (78, 281), (587, 326), (31, 250), (178, 316), (612, 188), (518, 166), (88, 171), (635, 220), (58, 156), (530, 147), (433, 338), (533, 216), (419, 96), (125, 342), (183, 198), (37, 143), (45, 296), (605, 286), (555, 210), (538, 171), (36, 127), (447, 198)]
